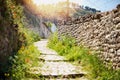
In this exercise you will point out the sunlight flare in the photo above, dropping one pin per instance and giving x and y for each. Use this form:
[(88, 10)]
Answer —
[(53, 8), (45, 2)]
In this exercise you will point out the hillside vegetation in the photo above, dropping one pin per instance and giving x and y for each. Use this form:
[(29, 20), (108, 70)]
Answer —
[(17, 52)]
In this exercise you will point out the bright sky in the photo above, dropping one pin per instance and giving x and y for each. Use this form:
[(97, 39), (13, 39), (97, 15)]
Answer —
[(103, 5)]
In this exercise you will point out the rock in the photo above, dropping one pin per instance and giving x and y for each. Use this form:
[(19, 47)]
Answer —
[(118, 52), (118, 26), (116, 20), (111, 50), (118, 6), (118, 64), (97, 16)]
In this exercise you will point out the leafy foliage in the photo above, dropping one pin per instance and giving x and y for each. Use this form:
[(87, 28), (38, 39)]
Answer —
[(49, 24), (23, 60), (28, 36)]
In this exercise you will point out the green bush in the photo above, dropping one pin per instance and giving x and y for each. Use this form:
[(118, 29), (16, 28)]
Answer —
[(63, 45), (88, 59), (29, 36), (26, 57), (23, 60)]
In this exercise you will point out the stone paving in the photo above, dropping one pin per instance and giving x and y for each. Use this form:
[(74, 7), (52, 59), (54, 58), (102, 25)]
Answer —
[(56, 66)]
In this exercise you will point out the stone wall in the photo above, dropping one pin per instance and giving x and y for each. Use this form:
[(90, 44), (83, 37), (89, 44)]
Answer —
[(100, 32), (9, 42)]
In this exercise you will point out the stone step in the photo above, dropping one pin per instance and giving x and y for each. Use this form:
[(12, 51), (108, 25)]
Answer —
[(43, 60), (48, 54), (45, 51), (69, 76), (52, 58), (60, 68), (81, 78)]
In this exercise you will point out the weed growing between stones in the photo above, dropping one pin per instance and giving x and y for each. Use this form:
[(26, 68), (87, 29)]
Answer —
[(84, 56)]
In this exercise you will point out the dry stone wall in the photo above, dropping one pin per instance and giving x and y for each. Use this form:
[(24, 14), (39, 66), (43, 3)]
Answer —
[(100, 32)]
